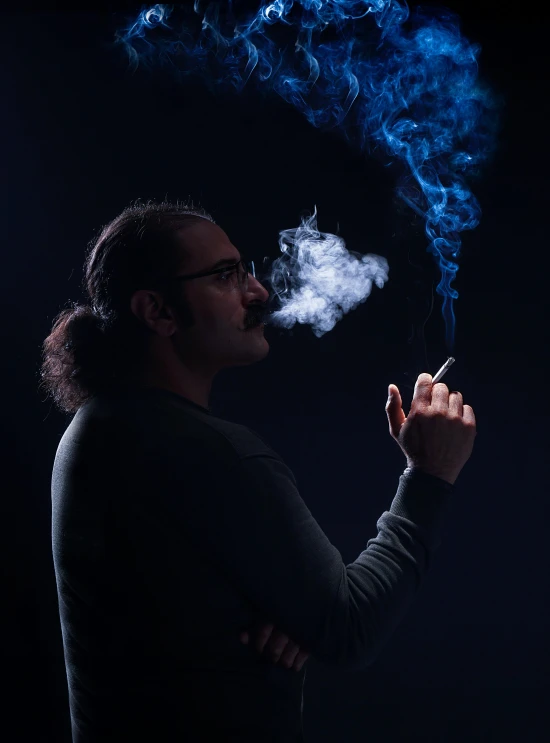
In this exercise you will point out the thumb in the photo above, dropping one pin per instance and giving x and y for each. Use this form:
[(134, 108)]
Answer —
[(394, 410)]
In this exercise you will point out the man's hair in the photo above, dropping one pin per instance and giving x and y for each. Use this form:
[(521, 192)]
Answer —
[(91, 349)]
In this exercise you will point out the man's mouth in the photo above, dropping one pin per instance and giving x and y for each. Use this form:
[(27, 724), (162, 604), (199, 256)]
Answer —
[(255, 321)]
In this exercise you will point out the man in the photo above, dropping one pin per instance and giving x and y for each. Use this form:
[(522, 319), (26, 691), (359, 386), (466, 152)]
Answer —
[(227, 328), (175, 532)]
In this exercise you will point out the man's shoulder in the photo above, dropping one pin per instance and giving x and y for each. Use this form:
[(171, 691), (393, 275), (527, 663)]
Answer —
[(143, 417), (245, 441)]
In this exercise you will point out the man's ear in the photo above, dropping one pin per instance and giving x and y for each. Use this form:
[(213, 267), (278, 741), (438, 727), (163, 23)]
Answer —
[(150, 308)]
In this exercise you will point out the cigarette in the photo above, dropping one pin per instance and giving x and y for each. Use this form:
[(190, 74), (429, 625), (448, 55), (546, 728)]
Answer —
[(450, 361)]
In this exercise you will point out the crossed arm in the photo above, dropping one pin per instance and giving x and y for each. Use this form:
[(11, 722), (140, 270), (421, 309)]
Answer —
[(277, 647)]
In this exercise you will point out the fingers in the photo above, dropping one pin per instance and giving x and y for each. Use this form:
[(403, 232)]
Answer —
[(440, 397), (443, 400), (469, 417), (300, 660), (422, 391), (394, 411), (263, 636), (279, 648), (291, 656), (393, 391), (279, 644), (456, 403)]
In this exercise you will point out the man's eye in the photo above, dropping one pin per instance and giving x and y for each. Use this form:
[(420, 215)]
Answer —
[(225, 275)]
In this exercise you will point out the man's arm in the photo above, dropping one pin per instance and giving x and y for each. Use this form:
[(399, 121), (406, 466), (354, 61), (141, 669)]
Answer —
[(265, 538)]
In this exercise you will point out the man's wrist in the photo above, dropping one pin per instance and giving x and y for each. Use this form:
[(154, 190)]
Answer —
[(448, 477)]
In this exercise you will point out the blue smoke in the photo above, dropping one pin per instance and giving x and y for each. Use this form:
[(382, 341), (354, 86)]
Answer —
[(387, 79)]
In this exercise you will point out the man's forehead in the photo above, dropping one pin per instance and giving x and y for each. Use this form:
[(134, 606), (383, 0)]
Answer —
[(204, 244)]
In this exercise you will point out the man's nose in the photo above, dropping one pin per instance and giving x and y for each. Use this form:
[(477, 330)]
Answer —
[(257, 290)]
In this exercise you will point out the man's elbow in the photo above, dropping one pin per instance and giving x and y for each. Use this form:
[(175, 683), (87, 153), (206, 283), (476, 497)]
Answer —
[(348, 641)]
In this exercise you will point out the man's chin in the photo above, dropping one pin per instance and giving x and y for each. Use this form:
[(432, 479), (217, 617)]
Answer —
[(260, 348), (255, 349)]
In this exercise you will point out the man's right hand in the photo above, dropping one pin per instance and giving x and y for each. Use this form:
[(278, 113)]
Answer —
[(438, 435)]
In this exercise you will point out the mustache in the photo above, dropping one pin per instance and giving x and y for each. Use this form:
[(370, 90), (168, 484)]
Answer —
[(256, 315)]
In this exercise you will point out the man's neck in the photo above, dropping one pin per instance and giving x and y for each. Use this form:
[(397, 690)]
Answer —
[(182, 381)]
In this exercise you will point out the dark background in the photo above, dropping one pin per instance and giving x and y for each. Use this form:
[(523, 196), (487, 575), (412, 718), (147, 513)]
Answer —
[(82, 137)]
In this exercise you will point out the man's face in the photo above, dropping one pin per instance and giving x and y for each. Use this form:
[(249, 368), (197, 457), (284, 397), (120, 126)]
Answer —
[(221, 310)]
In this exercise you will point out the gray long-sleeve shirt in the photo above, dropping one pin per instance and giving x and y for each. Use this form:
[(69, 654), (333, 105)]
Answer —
[(174, 530)]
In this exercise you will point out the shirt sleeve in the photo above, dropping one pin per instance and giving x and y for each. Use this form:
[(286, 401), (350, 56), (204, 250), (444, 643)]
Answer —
[(267, 541)]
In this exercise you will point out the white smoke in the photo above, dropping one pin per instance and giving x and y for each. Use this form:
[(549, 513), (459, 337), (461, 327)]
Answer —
[(317, 280)]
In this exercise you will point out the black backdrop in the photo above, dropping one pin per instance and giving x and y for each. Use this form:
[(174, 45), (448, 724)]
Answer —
[(82, 137)]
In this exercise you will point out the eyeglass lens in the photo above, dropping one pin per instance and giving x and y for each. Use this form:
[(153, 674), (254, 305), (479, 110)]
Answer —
[(246, 267)]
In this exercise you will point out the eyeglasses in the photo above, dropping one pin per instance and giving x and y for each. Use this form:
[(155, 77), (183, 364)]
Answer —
[(243, 268)]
